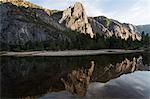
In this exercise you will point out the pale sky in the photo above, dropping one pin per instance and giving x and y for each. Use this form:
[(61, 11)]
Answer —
[(129, 11)]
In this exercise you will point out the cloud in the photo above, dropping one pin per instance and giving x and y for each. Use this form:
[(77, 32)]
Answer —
[(129, 11), (138, 13)]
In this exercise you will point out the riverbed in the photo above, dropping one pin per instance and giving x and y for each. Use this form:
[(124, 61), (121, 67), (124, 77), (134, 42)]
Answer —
[(70, 52)]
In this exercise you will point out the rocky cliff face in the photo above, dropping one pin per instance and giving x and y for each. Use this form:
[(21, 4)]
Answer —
[(110, 27), (24, 22), (27, 22), (75, 18)]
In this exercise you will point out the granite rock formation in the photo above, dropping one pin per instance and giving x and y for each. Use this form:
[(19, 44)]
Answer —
[(23, 22), (109, 27), (75, 18)]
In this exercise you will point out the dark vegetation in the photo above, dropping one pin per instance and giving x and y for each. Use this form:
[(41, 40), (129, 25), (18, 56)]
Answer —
[(80, 42)]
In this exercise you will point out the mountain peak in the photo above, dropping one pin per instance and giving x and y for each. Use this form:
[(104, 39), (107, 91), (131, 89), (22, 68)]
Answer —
[(78, 4), (78, 7), (75, 18)]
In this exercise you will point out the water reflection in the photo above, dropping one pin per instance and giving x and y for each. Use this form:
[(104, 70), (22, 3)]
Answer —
[(79, 80), (35, 76), (128, 86), (126, 66)]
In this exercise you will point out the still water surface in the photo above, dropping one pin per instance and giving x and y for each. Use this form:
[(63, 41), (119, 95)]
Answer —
[(40, 77)]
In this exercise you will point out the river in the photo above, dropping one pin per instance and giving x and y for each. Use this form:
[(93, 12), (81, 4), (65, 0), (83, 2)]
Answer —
[(39, 77)]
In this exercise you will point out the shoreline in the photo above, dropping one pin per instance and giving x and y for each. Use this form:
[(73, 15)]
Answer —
[(70, 52)]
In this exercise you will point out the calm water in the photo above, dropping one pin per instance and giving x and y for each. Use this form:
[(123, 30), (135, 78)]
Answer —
[(40, 77)]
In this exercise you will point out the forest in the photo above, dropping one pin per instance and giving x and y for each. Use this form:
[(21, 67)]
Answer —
[(80, 41)]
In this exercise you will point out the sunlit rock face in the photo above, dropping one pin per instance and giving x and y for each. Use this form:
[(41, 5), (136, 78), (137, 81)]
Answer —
[(21, 3), (109, 27), (75, 18)]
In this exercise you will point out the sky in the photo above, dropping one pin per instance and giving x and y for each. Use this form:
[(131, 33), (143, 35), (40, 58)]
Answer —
[(136, 12)]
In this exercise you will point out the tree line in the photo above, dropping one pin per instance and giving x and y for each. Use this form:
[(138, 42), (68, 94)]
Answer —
[(80, 41)]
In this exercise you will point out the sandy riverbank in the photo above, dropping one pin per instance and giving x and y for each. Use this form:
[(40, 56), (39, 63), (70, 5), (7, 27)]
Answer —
[(69, 52)]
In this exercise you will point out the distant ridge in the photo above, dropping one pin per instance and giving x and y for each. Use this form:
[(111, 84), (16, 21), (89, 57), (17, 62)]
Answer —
[(145, 28)]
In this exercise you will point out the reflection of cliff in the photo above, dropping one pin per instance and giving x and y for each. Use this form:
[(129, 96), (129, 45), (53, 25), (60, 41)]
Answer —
[(126, 66), (78, 80), (37, 75)]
